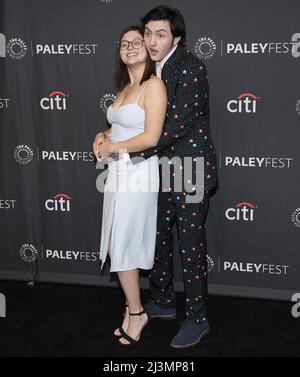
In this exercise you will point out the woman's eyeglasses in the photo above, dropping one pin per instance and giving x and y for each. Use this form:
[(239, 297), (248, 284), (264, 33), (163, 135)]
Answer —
[(124, 45)]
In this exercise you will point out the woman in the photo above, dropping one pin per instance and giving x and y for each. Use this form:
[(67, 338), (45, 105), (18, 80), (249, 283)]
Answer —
[(129, 214)]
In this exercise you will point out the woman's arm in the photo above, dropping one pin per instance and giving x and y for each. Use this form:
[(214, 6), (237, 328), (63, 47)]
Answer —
[(155, 105)]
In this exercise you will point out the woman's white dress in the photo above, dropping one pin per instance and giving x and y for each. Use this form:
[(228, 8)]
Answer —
[(130, 198)]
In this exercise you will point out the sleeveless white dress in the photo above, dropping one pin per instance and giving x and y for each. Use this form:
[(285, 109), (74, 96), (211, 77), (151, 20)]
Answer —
[(129, 215)]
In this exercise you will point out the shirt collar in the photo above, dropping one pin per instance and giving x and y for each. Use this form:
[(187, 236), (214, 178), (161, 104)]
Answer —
[(163, 61)]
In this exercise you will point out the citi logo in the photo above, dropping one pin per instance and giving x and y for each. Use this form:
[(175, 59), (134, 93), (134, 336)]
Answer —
[(243, 211), (245, 103), (59, 202), (55, 101)]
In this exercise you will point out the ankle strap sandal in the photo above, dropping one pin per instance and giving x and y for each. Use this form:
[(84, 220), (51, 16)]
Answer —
[(140, 313), (145, 333)]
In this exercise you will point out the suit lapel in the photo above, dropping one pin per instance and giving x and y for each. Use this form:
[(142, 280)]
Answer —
[(170, 66), (170, 71)]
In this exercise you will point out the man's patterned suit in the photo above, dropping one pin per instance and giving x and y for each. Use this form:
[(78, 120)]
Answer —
[(186, 132)]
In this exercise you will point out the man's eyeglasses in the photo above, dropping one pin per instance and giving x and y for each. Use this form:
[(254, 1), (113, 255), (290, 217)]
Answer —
[(124, 45)]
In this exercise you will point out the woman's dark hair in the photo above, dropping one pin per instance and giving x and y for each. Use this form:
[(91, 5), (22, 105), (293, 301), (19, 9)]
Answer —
[(173, 15), (121, 72)]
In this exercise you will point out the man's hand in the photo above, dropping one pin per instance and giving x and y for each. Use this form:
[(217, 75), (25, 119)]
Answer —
[(99, 140), (106, 149)]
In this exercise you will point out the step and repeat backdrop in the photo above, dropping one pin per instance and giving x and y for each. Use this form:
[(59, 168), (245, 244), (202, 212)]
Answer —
[(56, 82)]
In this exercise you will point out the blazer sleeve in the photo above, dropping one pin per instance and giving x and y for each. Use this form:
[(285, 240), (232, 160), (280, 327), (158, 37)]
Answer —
[(189, 104)]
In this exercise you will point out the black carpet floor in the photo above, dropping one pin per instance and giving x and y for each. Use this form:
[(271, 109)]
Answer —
[(78, 321)]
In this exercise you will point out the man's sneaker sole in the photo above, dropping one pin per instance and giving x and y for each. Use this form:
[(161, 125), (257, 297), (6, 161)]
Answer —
[(163, 316), (192, 344)]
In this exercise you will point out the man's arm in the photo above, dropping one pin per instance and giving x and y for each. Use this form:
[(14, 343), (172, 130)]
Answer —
[(99, 139), (190, 102)]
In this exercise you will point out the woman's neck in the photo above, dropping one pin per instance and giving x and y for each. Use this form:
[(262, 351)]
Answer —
[(136, 74)]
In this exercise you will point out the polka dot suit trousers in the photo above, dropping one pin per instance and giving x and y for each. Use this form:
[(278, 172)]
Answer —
[(189, 219)]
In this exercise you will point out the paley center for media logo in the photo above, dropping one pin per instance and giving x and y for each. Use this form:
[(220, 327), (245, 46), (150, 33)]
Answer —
[(15, 47), (72, 255), (295, 217), (230, 266), (8, 203), (65, 49), (258, 162), (245, 103), (291, 47), (56, 100), (28, 252), (24, 154), (205, 48), (242, 211), (210, 264), (4, 103), (297, 106), (106, 100)]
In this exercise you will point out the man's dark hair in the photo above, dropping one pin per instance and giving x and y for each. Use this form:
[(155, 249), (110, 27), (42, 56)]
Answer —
[(173, 15)]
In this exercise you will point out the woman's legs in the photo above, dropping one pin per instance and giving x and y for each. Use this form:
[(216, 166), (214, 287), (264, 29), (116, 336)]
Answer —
[(126, 317), (109, 252), (130, 283)]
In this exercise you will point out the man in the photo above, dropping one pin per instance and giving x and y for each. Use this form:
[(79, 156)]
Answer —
[(186, 133)]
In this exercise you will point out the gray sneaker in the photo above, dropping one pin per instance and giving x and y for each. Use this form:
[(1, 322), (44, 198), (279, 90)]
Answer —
[(157, 312), (190, 334)]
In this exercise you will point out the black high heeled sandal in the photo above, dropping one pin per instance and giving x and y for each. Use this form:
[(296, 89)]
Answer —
[(119, 336), (145, 333)]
